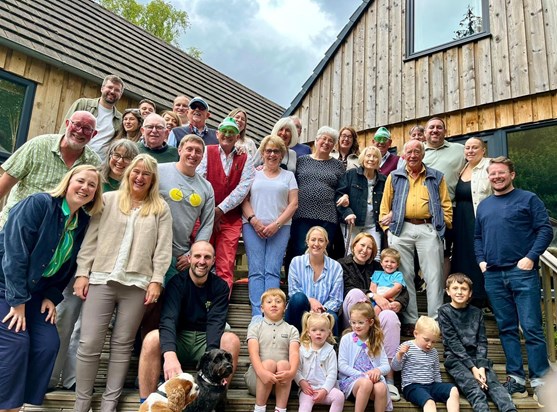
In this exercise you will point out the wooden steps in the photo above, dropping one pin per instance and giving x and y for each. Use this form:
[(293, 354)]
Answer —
[(239, 400)]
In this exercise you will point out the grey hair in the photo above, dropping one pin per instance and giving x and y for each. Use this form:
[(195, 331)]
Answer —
[(328, 131), (421, 145)]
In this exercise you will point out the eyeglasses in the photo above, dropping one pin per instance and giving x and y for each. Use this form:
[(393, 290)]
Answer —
[(133, 111), (272, 151), (198, 107), (228, 132), (358, 322), (157, 127), (84, 128), (117, 157)]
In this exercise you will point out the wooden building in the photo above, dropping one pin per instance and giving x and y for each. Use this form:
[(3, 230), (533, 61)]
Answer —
[(55, 51), (495, 77)]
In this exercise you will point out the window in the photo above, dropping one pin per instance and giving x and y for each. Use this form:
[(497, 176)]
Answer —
[(433, 25), (16, 103)]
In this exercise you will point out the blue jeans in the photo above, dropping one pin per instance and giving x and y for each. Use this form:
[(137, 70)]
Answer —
[(264, 262), (297, 306), (515, 298)]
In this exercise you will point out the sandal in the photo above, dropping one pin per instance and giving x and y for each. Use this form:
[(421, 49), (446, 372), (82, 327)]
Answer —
[(395, 396)]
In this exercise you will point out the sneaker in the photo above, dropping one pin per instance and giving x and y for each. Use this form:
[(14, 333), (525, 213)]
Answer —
[(395, 395), (539, 395), (515, 389)]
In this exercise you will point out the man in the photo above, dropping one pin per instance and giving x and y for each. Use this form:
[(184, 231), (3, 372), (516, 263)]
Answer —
[(415, 210), (40, 164), (146, 107), (154, 134), (190, 198), (299, 148), (512, 231), (109, 119), (180, 106), (197, 116), (192, 321), (389, 161), (231, 175)]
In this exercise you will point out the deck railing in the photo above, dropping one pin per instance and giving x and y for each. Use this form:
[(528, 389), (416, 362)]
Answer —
[(548, 263)]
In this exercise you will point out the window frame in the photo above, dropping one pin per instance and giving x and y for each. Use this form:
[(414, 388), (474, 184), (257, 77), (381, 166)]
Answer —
[(410, 14), (26, 109)]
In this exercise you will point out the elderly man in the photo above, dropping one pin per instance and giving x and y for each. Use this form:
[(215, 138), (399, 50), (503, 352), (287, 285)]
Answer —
[(109, 119), (197, 115), (512, 231), (300, 148), (193, 320), (40, 164), (231, 175), (389, 161), (415, 210), (154, 134)]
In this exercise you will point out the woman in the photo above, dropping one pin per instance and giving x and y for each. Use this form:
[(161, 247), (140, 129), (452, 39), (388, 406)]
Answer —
[(315, 281), (241, 117), (318, 176), (131, 125), (124, 257), (286, 130), (172, 119), (120, 154), (267, 215), (364, 188), (38, 249), (357, 269), (472, 187), (348, 149)]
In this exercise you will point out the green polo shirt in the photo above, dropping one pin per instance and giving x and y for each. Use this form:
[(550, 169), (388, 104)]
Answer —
[(39, 167), (65, 245)]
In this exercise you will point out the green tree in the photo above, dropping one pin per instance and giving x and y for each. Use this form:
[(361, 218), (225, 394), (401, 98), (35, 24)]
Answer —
[(158, 17)]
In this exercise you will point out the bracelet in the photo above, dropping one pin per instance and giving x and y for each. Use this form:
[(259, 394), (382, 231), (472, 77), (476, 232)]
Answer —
[(251, 217), (278, 224)]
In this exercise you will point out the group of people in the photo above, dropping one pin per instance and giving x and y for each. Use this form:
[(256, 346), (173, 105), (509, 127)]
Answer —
[(132, 222)]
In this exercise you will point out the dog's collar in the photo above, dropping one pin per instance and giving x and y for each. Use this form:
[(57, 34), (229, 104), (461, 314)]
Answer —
[(162, 393), (202, 376)]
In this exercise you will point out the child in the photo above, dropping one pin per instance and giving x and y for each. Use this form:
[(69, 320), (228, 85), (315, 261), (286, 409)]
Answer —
[(421, 375), (465, 343), (388, 282), (273, 347), (317, 373), (362, 362)]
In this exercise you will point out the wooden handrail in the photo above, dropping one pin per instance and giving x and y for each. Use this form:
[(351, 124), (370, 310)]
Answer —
[(548, 271)]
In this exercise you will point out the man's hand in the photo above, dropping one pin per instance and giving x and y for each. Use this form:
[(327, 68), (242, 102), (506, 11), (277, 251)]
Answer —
[(172, 365), (525, 264), (267, 377), (183, 262), (483, 266)]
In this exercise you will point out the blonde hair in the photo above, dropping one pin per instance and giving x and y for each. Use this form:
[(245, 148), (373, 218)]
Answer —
[(233, 113), (154, 203), (312, 319), (375, 338), (273, 292), (427, 324), (94, 206), (390, 252), (369, 149), (359, 237), (274, 140), (320, 230)]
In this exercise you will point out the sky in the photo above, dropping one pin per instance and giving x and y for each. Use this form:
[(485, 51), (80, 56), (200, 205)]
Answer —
[(270, 46)]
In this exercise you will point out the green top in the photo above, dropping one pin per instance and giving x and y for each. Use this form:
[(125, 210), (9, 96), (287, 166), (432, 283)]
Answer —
[(39, 167), (165, 154), (111, 185), (65, 245)]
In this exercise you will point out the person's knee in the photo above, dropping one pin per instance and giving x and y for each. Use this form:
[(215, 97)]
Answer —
[(283, 365), (270, 365), (454, 393), (151, 344)]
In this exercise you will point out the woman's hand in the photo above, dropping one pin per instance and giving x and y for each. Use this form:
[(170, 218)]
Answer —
[(343, 201), (17, 316), (51, 309), (270, 230), (350, 219), (316, 306), (153, 292), (81, 287), (258, 227)]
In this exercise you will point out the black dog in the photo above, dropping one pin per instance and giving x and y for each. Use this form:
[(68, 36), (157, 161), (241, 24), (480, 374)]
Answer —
[(213, 369)]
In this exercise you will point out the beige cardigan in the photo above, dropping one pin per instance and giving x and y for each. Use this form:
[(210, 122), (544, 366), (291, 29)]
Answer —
[(481, 188), (151, 249)]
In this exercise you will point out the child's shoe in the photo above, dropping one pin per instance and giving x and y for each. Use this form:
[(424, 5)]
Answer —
[(515, 389)]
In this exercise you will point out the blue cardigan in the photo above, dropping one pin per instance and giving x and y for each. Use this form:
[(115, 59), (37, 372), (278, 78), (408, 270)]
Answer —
[(27, 244)]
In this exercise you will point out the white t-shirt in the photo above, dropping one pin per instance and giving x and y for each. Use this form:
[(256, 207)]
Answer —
[(269, 196), (105, 132)]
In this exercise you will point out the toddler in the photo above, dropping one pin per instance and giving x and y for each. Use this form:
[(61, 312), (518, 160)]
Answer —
[(388, 282)]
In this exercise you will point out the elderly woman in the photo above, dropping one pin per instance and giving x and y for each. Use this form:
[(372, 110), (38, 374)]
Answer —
[(472, 187), (315, 281), (286, 130), (347, 149), (267, 215), (358, 267), (241, 117), (318, 176), (38, 249), (120, 154), (362, 190), (127, 271), (131, 125)]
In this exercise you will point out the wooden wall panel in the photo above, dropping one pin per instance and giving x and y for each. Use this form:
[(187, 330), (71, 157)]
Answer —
[(484, 83), (550, 32), (370, 23), (467, 76), (517, 50), (500, 65), (4, 56), (452, 80), (314, 112), (358, 105), (422, 87), (336, 91), (383, 75), (395, 62), (346, 101), (437, 84), (325, 104), (536, 52)]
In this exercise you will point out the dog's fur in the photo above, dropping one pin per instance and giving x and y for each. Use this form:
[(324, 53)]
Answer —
[(180, 391), (214, 367)]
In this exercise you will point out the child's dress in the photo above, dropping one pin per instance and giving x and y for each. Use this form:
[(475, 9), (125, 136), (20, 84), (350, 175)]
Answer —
[(354, 361)]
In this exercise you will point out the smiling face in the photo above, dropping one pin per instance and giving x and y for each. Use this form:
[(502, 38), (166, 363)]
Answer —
[(227, 138), (317, 243), (111, 93), (501, 178), (324, 145), (273, 307), (272, 156), (460, 294), (383, 146), (435, 133), (130, 123), (140, 181), (81, 189), (118, 162), (181, 106), (146, 109), (363, 250), (474, 150), (360, 324), (198, 115), (170, 121), (371, 160), (240, 118), (154, 131), (414, 154), (191, 154), (345, 141), (80, 129), (202, 260), (389, 264), (285, 134)]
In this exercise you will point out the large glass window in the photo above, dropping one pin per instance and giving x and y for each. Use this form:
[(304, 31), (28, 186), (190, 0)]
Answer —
[(437, 24), (16, 102)]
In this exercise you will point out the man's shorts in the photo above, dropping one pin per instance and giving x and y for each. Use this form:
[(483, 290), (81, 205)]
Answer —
[(190, 346), (419, 394)]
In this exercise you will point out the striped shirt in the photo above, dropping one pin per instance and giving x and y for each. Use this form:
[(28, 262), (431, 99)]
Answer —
[(417, 365), (328, 289)]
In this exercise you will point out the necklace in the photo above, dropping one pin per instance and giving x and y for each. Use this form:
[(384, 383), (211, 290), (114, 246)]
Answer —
[(358, 341)]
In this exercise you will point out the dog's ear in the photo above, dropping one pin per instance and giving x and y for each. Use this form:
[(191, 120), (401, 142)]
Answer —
[(177, 394), (202, 360), (228, 356)]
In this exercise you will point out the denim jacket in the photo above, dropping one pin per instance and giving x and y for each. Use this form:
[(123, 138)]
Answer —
[(433, 179), (354, 184), (27, 244)]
